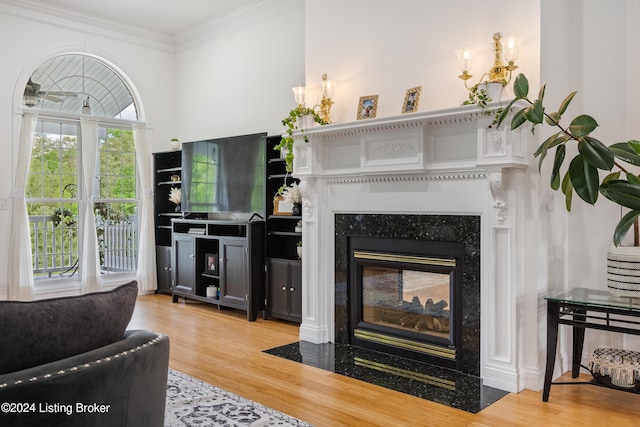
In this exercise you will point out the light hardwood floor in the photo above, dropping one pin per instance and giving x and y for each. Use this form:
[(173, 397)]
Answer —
[(225, 350)]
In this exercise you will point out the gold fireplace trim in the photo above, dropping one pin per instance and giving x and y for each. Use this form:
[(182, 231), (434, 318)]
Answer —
[(446, 262), (432, 350), (427, 379)]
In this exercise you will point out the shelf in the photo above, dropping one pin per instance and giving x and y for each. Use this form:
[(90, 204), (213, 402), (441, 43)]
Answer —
[(209, 275), (169, 183), (285, 233), (279, 176), (277, 160), (298, 217), (175, 169), (171, 214), (165, 227)]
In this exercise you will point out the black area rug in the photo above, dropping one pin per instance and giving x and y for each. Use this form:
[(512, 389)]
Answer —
[(434, 383), (191, 402)]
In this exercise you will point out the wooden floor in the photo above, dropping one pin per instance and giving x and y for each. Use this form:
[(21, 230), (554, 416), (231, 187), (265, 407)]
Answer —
[(225, 350)]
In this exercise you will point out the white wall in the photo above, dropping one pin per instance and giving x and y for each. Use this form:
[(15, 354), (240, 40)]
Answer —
[(237, 77), (30, 37), (590, 47), (378, 47)]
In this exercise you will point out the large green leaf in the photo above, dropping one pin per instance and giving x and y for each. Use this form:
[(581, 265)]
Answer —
[(518, 119), (555, 173), (567, 190), (622, 192), (585, 179), (502, 113), (552, 119), (633, 179), (535, 112), (635, 144), (543, 88), (552, 141), (582, 125), (521, 87), (565, 104), (596, 153), (611, 177), (624, 225), (624, 151)]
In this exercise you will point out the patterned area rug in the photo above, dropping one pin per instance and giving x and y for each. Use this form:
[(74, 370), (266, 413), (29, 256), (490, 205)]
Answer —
[(191, 402)]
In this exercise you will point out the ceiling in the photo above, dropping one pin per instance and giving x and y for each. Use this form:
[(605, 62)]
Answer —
[(169, 17)]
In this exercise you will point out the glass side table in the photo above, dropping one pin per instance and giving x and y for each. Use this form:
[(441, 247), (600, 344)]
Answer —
[(585, 308)]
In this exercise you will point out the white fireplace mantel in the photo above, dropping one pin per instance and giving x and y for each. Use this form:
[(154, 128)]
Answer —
[(451, 161)]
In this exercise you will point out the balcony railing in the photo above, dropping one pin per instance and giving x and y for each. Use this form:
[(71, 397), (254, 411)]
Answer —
[(56, 254)]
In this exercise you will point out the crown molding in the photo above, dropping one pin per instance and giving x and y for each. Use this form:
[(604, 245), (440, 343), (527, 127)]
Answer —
[(244, 17), (78, 21)]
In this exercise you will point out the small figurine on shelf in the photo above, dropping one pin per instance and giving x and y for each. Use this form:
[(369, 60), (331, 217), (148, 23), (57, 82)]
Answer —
[(175, 196), (299, 249)]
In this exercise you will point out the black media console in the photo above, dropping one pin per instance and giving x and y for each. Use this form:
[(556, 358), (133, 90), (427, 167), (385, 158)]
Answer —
[(219, 262)]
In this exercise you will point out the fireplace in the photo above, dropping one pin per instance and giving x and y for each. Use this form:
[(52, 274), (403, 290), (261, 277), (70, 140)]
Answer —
[(441, 249), (436, 176), (405, 298)]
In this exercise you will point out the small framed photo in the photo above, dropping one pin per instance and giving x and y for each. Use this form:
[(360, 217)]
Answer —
[(367, 107), (211, 263), (281, 206), (411, 100)]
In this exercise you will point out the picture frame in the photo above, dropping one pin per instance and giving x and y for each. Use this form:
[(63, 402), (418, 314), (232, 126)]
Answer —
[(211, 263), (367, 107), (282, 206), (411, 100)]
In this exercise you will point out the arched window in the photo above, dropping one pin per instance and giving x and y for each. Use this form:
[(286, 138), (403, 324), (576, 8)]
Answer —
[(67, 83), (65, 90)]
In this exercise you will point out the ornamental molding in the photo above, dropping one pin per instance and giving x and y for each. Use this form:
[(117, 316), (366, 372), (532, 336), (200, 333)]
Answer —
[(462, 176), (437, 118)]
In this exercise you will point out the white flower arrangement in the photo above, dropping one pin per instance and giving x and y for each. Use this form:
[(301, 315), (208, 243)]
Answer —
[(175, 195), (292, 193)]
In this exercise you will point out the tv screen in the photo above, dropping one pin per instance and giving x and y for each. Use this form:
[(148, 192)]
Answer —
[(224, 175)]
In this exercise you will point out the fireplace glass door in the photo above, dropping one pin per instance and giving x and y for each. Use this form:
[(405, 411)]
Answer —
[(407, 299)]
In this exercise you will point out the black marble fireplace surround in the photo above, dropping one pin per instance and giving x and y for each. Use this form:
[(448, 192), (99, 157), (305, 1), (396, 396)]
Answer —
[(436, 228), (461, 389)]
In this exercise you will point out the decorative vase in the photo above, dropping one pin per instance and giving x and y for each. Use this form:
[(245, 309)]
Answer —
[(299, 251), (306, 121), (623, 271), (297, 209), (177, 208), (493, 90)]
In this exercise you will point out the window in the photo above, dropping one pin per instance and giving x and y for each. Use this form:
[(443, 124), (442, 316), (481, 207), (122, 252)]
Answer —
[(54, 199), (52, 202)]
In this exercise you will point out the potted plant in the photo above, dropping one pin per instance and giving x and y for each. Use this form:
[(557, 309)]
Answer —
[(293, 195), (295, 121), (620, 185), (478, 96)]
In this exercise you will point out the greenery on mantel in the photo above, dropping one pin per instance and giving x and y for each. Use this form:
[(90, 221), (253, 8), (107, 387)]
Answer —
[(477, 96), (621, 186), (291, 124)]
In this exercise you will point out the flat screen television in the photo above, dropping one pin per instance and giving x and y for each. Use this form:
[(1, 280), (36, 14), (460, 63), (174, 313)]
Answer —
[(224, 175)]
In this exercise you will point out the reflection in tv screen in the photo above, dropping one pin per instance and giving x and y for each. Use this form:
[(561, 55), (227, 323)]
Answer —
[(224, 175)]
